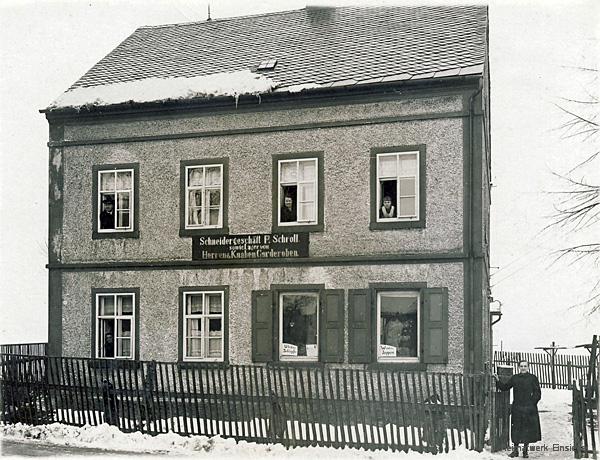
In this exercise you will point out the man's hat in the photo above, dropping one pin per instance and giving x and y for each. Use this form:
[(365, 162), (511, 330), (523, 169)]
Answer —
[(108, 199)]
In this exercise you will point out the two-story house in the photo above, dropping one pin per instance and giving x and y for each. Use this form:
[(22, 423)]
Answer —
[(304, 187)]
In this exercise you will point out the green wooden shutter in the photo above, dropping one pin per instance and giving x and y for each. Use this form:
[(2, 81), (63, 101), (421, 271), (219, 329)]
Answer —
[(435, 325), (359, 326), (331, 327), (262, 326)]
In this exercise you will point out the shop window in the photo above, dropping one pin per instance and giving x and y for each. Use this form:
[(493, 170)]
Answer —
[(298, 324), (402, 323), (203, 323), (115, 201), (298, 192), (203, 196), (115, 325), (398, 326), (398, 188)]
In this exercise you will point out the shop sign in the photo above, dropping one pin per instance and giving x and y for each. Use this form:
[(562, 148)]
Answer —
[(251, 246)]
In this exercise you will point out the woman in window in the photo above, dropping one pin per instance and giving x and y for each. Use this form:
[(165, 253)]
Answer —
[(387, 210), (288, 210)]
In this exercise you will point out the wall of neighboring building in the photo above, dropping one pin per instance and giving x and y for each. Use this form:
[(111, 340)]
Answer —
[(346, 170), (158, 302)]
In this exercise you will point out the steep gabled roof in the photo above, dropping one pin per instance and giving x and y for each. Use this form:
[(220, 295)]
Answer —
[(313, 47)]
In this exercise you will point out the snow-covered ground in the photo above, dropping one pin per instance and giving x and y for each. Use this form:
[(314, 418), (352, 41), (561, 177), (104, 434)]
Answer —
[(554, 413)]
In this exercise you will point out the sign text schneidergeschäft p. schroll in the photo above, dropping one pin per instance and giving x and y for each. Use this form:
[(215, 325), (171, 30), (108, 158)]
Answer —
[(251, 246)]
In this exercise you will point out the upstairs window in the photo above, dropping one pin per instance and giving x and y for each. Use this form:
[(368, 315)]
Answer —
[(204, 195), (115, 201), (297, 192), (397, 187)]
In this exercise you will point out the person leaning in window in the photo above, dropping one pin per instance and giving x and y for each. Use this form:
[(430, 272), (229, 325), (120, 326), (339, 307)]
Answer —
[(109, 345), (107, 215), (288, 210), (525, 420), (387, 210)]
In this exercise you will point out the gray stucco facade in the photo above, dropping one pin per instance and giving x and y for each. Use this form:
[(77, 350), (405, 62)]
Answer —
[(450, 251)]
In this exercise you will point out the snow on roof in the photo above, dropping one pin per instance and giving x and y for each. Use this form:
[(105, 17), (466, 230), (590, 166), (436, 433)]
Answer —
[(162, 89)]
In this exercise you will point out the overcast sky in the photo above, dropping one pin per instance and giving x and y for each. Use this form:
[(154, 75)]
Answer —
[(536, 48)]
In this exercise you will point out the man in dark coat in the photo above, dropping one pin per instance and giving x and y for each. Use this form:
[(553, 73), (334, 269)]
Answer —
[(525, 421)]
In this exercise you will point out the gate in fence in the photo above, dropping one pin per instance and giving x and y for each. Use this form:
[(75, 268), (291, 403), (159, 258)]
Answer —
[(586, 408), (373, 409)]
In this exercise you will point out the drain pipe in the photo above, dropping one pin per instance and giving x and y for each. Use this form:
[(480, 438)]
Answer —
[(469, 249)]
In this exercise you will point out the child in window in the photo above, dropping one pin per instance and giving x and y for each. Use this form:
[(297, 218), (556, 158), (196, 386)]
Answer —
[(387, 210)]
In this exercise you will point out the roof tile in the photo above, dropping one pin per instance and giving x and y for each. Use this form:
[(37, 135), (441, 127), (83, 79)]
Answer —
[(324, 46)]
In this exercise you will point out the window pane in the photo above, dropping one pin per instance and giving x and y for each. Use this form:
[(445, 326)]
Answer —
[(195, 198), (123, 219), (125, 304), (123, 327), (124, 348), (106, 338), (107, 181), (213, 176), (194, 348), (123, 201), (107, 305), (214, 303), (195, 216), (299, 324), (307, 192), (307, 170), (408, 165), (193, 327), (407, 206), (307, 212), (124, 180), (398, 320), (195, 178), (214, 197), (387, 165), (407, 187), (213, 218), (194, 304), (214, 348), (288, 172), (214, 327)]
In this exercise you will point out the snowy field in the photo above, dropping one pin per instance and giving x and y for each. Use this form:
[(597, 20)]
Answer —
[(554, 414)]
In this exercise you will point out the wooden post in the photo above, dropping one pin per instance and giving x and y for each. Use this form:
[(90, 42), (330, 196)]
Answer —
[(569, 373)]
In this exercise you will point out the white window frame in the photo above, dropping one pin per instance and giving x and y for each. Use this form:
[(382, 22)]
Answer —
[(280, 314), (203, 188), (204, 321), (297, 183), (399, 359), (397, 178), (115, 317), (116, 205)]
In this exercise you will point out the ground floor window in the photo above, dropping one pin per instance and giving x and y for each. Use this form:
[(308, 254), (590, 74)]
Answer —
[(115, 325), (398, 326), (203, 325), (299, 326)]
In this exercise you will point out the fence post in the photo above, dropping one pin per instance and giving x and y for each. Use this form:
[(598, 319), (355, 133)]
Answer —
[(569, 382)]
